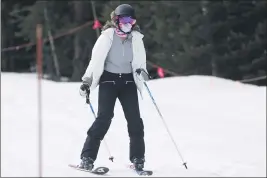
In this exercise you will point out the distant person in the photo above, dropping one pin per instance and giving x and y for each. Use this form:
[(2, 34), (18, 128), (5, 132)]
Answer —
[(116, 55)]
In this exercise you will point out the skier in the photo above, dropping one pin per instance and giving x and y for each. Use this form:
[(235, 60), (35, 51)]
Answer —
[(117, 54)]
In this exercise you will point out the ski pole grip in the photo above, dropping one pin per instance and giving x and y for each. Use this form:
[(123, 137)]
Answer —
[(140, 70), (87, 98)]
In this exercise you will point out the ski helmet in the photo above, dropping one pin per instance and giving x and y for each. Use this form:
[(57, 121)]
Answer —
[(125, 10)]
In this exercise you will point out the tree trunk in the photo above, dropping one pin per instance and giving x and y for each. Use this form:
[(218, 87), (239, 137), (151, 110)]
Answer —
[(3, 40), (77, 60)]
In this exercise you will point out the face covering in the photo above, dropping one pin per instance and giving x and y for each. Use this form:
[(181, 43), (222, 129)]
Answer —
[(126, 27), (125, 24)]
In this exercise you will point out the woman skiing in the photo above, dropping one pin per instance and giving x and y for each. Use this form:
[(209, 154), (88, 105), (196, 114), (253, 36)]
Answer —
[(116, 56)]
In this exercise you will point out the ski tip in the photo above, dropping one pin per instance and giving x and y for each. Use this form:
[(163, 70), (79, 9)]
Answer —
[(98, 170), (145, 173), (101, 170)]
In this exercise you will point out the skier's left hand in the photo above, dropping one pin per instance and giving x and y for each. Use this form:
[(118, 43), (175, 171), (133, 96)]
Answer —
[(143, 73)]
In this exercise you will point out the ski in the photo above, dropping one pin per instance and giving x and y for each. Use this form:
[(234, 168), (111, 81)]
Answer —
[(103, 170), (98, 170), (144, 172), (141, 172)]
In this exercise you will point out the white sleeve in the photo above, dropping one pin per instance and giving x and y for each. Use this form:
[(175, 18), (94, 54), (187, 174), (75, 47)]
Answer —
[(143, 54), (99, 53)]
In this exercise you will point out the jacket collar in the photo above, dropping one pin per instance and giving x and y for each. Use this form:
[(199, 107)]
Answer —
[(110, 32)]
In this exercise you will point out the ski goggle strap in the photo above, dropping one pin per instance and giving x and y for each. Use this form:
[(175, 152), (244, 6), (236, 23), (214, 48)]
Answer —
[(125, 20)]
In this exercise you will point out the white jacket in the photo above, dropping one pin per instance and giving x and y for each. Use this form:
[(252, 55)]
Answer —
[(99, 54)]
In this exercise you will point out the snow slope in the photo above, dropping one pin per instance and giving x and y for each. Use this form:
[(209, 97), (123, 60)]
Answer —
[(219, 126)]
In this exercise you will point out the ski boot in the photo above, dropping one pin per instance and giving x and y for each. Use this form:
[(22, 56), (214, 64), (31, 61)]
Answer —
[(87, 163), (138, 163)]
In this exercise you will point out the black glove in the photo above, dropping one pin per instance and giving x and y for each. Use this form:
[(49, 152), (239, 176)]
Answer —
[(143, 73), (85, 87), (138, 71)]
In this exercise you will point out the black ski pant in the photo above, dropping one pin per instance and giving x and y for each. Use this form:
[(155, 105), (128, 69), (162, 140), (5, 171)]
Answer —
[(111, 87)]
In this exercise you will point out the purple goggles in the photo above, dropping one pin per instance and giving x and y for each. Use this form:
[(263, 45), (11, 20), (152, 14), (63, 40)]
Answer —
[(126, 20)]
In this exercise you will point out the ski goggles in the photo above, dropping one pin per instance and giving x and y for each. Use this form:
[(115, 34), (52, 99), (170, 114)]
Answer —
[(125, 20)]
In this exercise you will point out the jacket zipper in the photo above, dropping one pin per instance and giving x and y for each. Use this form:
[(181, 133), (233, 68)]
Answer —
[(122, 49)]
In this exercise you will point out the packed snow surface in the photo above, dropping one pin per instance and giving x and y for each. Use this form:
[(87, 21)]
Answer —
[(219, 126)]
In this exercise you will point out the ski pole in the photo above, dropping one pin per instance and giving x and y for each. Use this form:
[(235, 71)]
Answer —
[(92, 109), (138, 71)]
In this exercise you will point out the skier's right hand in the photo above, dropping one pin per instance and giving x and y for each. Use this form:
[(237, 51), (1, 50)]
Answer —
[(84, 89)]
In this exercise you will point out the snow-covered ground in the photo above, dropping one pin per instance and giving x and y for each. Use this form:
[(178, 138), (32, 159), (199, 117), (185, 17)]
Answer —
[(219, 126)]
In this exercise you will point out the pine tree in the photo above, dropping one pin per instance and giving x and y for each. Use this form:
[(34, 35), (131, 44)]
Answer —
[(247, 40)]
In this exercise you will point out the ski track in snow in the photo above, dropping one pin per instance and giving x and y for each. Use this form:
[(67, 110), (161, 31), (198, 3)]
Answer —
[(219, 126)]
